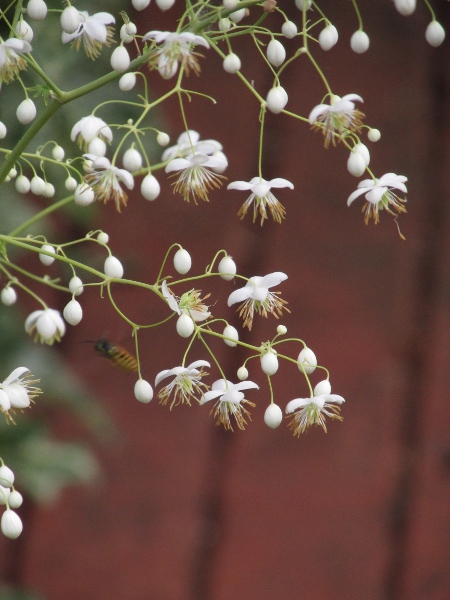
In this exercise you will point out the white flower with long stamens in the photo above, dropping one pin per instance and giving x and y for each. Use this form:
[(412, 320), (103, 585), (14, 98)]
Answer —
[(87, 129), (104, 178), (194, 175), (337, 118), (17, 391), (313, 411), (230, 402), (189, 142), (175, 48), (10, 61), (185, 385), (94, 31), (261, 197), (379, 195), (47, 324), (255, 297), (190, 303)]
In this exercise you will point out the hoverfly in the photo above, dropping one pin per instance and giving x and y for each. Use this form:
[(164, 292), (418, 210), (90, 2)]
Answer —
[(118, 355)]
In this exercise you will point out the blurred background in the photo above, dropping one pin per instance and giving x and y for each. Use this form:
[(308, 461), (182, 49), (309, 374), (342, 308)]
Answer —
[(124, 500)]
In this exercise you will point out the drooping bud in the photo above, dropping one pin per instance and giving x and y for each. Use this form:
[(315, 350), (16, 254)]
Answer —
[(143, 391), (83, 195), (47, 260), (227, 268), (182, 261), (164, 4), (76, 286), (140, 4), (150, 187), (113, 267), (37, 9), (435, 34), (277, 99), (242, 373), (8, 296), (323, 388), (276, 53), (70, 184), (273, 416), (231, 332), (26, 111), (328, 37), (307, 361), (6, 476), (185, 325), (289, 29), (70, 19), (11, 524), (132, 160), (232, 63), (359, 42), (73, 313), (120, 59), (269, 363), (22, 184), (374, 135)]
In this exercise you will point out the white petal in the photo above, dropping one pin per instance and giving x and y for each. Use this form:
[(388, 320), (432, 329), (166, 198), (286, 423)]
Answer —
[(279, 182), (316, 111), (177, 164), (239, 185), (297, 403), (273, 279), (240, 295)]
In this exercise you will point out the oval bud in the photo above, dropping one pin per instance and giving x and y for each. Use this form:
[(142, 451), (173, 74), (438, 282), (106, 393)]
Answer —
[(3, 130), (24, 31), (237, 15), (164, 4), (120, 59), (435, 34), (113, 267), (281, 329), (26, 111), (97, 146), (127, 82), (150, 187), (356, 164), (15, 499), (231, 332), (289, 29), (58, 153), (232, 63), (83, 195), (70, 184), (132, 160), (49, 191), (307, 361), (273, 416), (374, 135), (182, 261), (162, 138), (103, 237), (76, 286), (8, 296), (323, 388), (6, 477), (328, 37), (185, 325), (37, 185), (229, 4), (277, 99), (11, 524), (269, 363), (405, 7), (242, 373), (359, 42), (37, 9), (47, 260), (227, 268), (140, 4), (70, 19), (73, 313), (224, 24), (22, 184), (143, 391), (276, 54)]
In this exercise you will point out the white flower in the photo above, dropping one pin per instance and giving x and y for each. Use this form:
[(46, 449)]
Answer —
[(190, 303), (195, 175), (261, 197), (10, 61), (47, 324), (104, 178), (255, 296), (88, 128), (17, 391), (337, 118), (93, 31), (230, 401), (186, 383), (379, 195), (175, 48), (313, 411), (189, 142)]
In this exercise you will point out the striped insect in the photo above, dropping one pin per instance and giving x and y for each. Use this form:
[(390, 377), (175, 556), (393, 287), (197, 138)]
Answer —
[(118, 355)]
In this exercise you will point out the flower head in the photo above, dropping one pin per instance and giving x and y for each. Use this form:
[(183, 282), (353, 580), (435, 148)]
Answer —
[(185, 385), (189, 142), (175, 48), (93, 31), (255, 296), (195, 175), (261, 197), (379, 195), (313, 411), (105, 180), (47, 324), (337, 118), (17, 392), (230, 402), (10, 61), (88, 128), (190, 303)]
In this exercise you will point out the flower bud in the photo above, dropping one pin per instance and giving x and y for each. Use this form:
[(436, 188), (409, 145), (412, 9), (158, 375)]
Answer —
[(58, 153), (289, 29), (47, 260), (120, 59), (182, 261), (127, 82), (232, 63), (22, 184), (229, 4), (103, 237), (374, 135), (76, 286), (8, 295), (132, 160), (143, 391), (24, 31), (37, 9), (185, 325), (231, 332), (224, 24), (2, 130), (364, 151), (281, 329), (237, 15), (405, 7), (127, 31), (26, 111), (6, 477), (323, 388), (5, 493), (435, 34), (162, 138), (37, 185), (49, 191), (97, 146), (227, 268), (269, 363), (11, 524), (150, 187), (113, 267), (140, 4), (273, 416), (359, 42), (83, 195), (328, 37), (73, 313), (70, 184), (70, 19), (307, 361), (164, 4), (242, 373), (276, 54), (356, 164), (276, 99), (303, 4), (15, 499)]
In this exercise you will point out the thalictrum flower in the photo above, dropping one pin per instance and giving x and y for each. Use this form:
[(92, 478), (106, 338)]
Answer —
[(261, 197), (313, 411), (186, 383), (105, 180), (337, 118), (10, 61), (230, 402), (255, 296), (47, 324), (93, 31), (87, 129), (17, 392), (190, 303), (189, 142), (379, 195), (175, 48), (194, 175)]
